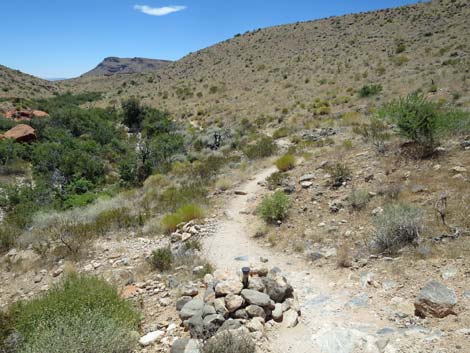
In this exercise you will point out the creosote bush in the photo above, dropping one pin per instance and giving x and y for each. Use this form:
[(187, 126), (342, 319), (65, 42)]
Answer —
[(81, 314), (285, 163), (358, 199), (262, 148), (369, 90), (275, 207), (162, 259), (398, 226)]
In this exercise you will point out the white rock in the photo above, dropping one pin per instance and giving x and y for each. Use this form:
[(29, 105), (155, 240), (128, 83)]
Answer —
[(151, 337)]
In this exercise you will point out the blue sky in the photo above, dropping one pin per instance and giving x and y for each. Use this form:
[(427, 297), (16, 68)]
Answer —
[(64, 38)]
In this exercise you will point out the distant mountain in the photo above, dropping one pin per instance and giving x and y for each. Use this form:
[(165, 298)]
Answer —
[(113, 65)]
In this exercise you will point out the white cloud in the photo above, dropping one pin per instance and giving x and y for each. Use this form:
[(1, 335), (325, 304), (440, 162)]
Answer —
[(158, 11)]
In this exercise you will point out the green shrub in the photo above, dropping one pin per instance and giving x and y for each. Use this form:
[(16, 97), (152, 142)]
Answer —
[(397, 226), (358, 199), (276, 180), (189, 212), (281, 132), (376, 132), (8, 236), (417, 119), (275, 207), (162, 259), (6, 328), (81, 314), (369, 90), (264, 147), (170, 222), (285, 163), (339, 173), (347, 144)]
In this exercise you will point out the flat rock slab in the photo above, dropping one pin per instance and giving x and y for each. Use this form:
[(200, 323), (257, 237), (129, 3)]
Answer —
[(256, 298), (435, 299)]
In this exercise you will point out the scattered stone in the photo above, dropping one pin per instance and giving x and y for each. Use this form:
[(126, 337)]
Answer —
[(255, 325), (240, 193), (306, 177), (277, 313), (151, 337), (306, 184), (189, 291), (436, 300), (459, 169), (291, 318), (449, 272)]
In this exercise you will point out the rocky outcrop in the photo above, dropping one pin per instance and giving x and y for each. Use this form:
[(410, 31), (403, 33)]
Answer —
[(20, 133), (19, 115)]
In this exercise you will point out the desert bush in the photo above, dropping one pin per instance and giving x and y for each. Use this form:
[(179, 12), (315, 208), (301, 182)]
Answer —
[(275, 180), (376, 132), (8, 236), (184, 214), (162, 259), (339, 173), (398, 226), (223, 184), (275, 207), (264, 147), (176, 196), (347, 144), (81, 314), (358, 199), (229, 342), (417, 119), (391, 192), (6, 328), (343, 258), (281, 132), (285, 163), (369, 90)]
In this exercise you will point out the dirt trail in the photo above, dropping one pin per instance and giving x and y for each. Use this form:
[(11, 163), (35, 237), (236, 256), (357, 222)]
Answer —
[(334, 320)]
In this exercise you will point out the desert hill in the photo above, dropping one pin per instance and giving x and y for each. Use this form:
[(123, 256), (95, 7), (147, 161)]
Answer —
[(14, 83), (276, 73), (113, 65)]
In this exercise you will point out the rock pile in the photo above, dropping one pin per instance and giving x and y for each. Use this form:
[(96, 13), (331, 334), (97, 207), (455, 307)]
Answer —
[(229, 302)]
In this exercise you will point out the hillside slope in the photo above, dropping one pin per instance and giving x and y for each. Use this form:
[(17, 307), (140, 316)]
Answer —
[(276, 73), (14, 83), (112, 65)]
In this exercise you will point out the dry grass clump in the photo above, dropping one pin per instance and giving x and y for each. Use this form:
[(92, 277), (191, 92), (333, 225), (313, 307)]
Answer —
[(398, 226), (343, 258), (285, 163), (358, 199), (184, 214), (229, 342)]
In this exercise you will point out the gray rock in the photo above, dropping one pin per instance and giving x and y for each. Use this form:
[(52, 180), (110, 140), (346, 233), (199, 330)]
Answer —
[(255, 311), (436, 300), (256, 298), (449, 272), (189, 291), (179, 346), (277, 313), (182, 302), (208, 310), (241, 314), (230, 325), (291, 318), (195, 326), (228, 287), (307, 177), (277, 288), (256, 283), (213, 322), (219, 305), (338, 340), (233, 302), (191, 308), (151, 337), (209, 295), (255, 325)]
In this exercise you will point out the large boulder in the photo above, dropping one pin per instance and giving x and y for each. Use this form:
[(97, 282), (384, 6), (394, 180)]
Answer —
[(255, 311), (20, 133), (435, 299), (257, 298), (277, 288)]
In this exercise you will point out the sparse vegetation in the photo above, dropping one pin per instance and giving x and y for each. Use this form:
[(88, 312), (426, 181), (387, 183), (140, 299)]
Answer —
[(263, 147), (397, 226), (358, 199), (339, 173), (275, 207), (370, 90), (285, 163), (162, 259)]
